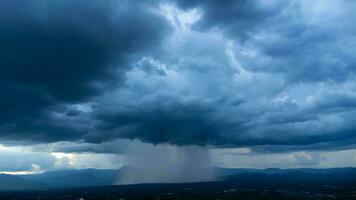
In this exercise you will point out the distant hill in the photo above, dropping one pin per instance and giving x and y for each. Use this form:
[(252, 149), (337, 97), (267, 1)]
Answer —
[(242, 177), (225, 172), (75, 178), (12, 182), (333, 176)]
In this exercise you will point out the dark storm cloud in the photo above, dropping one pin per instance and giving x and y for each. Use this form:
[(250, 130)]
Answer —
[(176, 124), (289, 37), (65, 52), (273, 75), (227, 124), (288, 93)]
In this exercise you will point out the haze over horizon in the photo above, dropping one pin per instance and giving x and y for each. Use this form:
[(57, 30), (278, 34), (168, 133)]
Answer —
[(176, 86)]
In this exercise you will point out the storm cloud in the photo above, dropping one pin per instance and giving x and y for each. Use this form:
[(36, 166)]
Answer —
[(267, 75), (307, 42), (64, 52)]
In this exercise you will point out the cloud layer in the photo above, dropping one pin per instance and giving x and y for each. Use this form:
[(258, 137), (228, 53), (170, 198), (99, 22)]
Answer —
[(61, 53), (268, 75)]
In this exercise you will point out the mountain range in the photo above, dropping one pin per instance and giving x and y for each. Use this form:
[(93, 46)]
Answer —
[(243, 177)]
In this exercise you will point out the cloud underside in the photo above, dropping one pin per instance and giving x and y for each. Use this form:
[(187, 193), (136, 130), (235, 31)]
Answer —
[(270, 75)]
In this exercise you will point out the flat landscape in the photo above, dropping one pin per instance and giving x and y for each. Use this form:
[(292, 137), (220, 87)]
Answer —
[(206, 191)]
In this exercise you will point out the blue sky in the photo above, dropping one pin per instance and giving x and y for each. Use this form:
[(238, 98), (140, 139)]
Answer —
[(240, 83)]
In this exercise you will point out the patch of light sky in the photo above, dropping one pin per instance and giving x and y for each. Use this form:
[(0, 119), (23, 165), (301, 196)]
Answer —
[(220, 157), (181, 20)]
